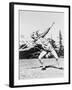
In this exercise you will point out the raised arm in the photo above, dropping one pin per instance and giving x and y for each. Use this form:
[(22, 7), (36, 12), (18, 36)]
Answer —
[(43, 34)]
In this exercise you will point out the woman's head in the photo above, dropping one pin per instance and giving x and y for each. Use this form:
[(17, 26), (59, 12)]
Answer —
[(35, 35)]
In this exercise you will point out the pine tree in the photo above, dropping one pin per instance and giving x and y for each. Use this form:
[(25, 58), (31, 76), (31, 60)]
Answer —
[(61, 47)]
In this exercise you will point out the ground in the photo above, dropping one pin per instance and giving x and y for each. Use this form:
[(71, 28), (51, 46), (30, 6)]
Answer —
[(30, 68)]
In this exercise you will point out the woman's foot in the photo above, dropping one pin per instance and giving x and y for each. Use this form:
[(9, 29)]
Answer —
[(44, 68)]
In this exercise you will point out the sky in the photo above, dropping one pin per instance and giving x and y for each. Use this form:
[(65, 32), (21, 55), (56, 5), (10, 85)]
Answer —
[(31, 21)]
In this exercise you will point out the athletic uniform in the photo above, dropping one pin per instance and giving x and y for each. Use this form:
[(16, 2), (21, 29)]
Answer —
[(46, 45)]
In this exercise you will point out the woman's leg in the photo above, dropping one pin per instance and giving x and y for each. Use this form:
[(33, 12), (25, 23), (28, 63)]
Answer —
[(42, 54), (53, 52), (55, 55)]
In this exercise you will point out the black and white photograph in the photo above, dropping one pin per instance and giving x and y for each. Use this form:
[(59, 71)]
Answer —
[(41, 44)]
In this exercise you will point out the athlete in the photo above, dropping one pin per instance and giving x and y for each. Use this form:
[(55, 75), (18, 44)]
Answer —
[(46, 45)]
